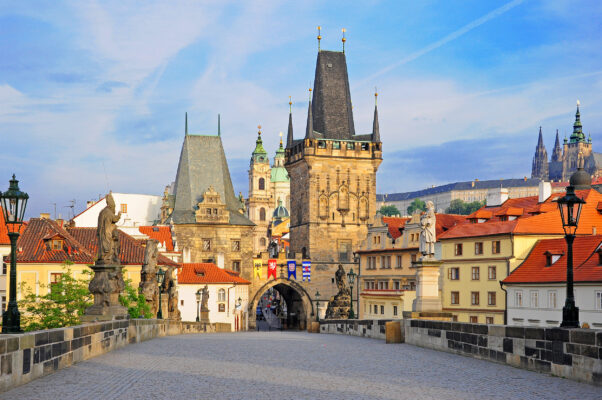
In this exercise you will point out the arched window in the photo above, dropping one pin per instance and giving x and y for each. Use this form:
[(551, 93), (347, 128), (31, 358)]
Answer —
[(262, 242), (261, 184), (262, 214), (221, 295)]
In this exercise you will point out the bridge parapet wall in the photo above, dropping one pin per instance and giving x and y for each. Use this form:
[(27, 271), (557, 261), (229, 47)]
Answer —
[(31, 355), (371, 328)]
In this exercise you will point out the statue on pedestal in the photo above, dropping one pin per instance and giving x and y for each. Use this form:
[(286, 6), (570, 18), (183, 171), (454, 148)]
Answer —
[(169, 288), (148, 276), (339, 304), (107, 283), (427, 233), (205, 299)]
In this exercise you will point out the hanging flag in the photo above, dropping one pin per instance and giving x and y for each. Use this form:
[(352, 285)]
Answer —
[(306, 270), (292, 269), (272, 265), (257, 267)]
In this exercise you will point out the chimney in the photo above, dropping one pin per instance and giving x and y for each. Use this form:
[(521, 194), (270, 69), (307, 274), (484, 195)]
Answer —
[(496, 196), (545, 191), (44, 215), (594, 232)]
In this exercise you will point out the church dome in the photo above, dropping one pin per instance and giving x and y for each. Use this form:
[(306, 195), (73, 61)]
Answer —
[(280, 211), (580, 180)]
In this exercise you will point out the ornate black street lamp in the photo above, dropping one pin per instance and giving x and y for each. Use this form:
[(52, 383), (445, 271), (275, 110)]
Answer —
[(198, 301), (570, 211), (351, 278), (160, 278), (13, 202), (317, 296)]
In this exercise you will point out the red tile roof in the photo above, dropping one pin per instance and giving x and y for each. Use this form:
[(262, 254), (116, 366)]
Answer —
[(3, 231), (203, 273), (445, 222), (395, 225), (160, 233), (79, 245), (131, 251), (585, 259), (548, 222)]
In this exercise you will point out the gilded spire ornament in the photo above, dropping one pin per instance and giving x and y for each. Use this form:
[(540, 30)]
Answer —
[(343, 39), (319, 36)]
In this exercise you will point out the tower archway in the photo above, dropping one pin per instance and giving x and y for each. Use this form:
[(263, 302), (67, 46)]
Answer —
[(299, 307)]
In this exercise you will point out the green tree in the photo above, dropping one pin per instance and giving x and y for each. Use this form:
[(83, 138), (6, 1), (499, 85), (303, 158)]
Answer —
[(458, 206), (417, 204), (63, 304), (134, 301), (389, 211)]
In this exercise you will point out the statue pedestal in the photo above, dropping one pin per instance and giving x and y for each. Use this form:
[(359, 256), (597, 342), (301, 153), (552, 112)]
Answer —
[(427, 286), (205, 316), (106, 285), (338, 306)]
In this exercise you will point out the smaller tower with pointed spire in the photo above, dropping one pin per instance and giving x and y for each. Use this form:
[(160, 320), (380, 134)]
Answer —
[(540, 160), (375, 128)]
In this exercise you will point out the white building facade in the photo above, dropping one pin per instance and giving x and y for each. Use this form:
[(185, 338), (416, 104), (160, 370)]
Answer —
[(136, 210)]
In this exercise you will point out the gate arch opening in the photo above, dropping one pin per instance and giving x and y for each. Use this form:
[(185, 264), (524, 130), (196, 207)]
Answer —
[(291, 306)]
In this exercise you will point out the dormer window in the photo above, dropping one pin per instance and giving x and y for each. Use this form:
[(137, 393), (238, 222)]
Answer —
[(551, 258), (600, 258), (56, 244)]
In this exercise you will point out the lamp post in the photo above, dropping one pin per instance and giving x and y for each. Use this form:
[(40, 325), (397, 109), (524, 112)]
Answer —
[(351, 277), (570, 210), (160, 278), (317, 296), (13, 202), (198, 301)]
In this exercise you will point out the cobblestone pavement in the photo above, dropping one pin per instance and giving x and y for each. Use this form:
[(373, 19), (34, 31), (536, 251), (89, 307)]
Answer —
[(291, 365)]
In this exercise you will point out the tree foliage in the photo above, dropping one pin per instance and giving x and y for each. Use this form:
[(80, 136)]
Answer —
[(458, 206), (389, 211), (63, 304), (417, 204), (134, 301)]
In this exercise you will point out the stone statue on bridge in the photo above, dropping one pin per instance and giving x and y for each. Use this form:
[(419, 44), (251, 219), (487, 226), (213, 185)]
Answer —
[(148, 276), (107, 283), (169, 288), (339, 304), (427, 234), (205, 299)]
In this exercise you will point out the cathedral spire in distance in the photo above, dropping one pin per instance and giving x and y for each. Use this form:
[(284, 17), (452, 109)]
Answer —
[(540, 167), (375, 128), (289, 134), (557, 153)]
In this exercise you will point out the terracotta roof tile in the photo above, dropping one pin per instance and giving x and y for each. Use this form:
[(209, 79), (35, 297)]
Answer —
[(204, 273), (535, 268), (395, 225), (3, 231), (160, 233), (447, 221)]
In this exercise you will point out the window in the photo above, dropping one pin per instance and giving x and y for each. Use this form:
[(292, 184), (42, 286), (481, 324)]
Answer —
[(261, 184), (455, 297), (454, 318), (382, 309), (57, 245), (221, 307), (206, 244), (489, 320), (413, 258), (262, 214), (236, 245), (236, 266), (518, 298), (344, 250), (4, 268), (385, 262), (598, 299), (321, 144), (453, 274), (491, 298), (534, 298), (398, 265), (474, 319), (124, 208), (491, 272), (396, 285), (262, 243), (350, 146), (394, 310), (478, 248), (458, 250), (369, 285), (181, 302), (552, 299), (495, 247), (365, 146), (55, 277), (383, 285), (474, 298), (336, 145), (476, 273), (221, 295), (375, 309)]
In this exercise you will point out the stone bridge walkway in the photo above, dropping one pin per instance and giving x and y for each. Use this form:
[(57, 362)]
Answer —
[(291, 365)]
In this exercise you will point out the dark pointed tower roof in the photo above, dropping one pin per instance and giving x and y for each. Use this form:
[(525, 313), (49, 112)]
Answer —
[(309, 128), (540, 167), (289, 134), (375, 129), (259, 154), (203, 164), (578, 135), (332, 111), (557, 153)]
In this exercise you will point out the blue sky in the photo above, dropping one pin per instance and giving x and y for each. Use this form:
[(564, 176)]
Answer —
[(93, 94)]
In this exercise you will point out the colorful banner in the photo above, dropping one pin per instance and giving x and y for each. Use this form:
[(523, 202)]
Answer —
[(292, 269), (306, 270), (272, 266), (257, 267)]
